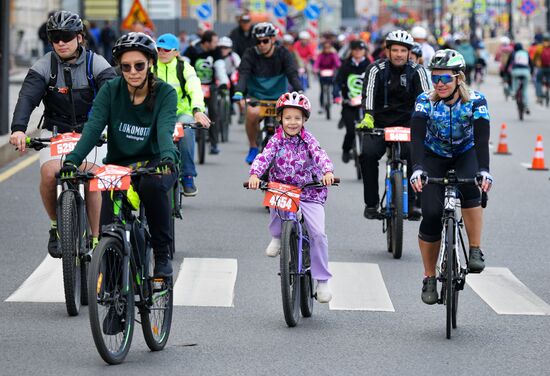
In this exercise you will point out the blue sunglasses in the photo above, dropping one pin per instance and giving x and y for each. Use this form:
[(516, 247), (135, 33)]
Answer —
[(444, 78)]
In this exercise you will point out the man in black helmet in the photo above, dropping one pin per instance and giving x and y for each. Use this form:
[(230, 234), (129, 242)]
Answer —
[(66, 107)]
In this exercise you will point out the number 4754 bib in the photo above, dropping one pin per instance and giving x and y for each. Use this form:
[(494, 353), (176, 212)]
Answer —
[(282, 196)]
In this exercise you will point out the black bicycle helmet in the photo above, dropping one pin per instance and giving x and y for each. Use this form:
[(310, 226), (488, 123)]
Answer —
[(417, 50), (447, 59), (264, 30), (64, 20), (135, 41)]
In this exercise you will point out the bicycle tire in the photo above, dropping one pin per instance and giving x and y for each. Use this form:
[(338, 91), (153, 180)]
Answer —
[(290, 284), (159, 314), (306, 282), (357, 162), (227, 120), (519, 102), (449, 283), (397, 215), (201, 146), (547, 98), (69, 236), (83, 282), (326, 98), (106, 273)]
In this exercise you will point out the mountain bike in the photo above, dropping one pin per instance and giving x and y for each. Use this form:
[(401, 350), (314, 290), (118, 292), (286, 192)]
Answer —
[(268, 124), (122, 270), (394, 205), (326, 77), (519, 98), (295, 262), (72, 220), (452, 265)]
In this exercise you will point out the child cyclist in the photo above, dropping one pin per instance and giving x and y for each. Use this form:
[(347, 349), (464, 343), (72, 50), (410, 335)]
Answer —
[(294, 156)]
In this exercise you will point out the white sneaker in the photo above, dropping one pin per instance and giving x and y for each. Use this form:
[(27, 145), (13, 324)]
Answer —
[(322, 292), (274, 247)]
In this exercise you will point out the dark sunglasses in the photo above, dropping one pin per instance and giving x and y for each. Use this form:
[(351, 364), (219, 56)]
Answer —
[(166, 50), (65, 36), (263, 41), (444, 78), (137, 66)]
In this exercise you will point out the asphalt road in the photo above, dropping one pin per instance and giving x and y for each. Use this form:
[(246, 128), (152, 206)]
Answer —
[(251, 337)]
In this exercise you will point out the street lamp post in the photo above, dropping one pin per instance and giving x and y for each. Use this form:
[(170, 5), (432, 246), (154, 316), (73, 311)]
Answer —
[(509, 3), (4, 68)]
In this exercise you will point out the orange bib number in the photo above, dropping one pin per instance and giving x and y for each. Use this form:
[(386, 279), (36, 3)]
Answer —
[(63, 144), (206, 91), (178, 132), (282, 197), (111, 178), (397, 134)]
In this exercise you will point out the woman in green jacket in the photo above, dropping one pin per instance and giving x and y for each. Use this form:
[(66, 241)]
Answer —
[(140, 114)]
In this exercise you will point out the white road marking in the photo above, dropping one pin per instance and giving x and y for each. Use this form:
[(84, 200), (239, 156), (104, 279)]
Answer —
[(506, 294), (526, 165), (206, 282), (358, 287), (44, 285)]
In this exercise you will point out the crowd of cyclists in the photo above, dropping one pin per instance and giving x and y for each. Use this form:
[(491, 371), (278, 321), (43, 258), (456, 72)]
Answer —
[(400, 79)]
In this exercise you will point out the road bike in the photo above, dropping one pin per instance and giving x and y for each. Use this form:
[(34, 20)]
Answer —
[(394, 205), (452, 265), (268, 124), (72, 220), (297, 289), (121, 274), (326, 77)]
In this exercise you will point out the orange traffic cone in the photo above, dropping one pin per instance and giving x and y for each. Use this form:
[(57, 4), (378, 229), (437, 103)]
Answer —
[(538, 159), (502, 143)]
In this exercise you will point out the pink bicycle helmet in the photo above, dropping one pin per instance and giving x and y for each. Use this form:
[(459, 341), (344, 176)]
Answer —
[(295, 100)]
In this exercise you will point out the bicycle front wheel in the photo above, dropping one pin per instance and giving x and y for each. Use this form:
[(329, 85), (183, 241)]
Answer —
[(111, 305), (201, 146), (356, 151), (449, 273), (69, 235), (290, 280), (396, 228)]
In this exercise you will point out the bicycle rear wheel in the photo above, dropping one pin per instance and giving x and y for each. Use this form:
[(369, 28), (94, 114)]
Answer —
[(326, 100), (156, 318), (224, 118), (111, 307), (201, 146), (69, 241), (290, 281), (396, 228), (356, 148), (449, 273)]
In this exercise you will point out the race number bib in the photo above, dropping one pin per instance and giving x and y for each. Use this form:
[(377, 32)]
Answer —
[(397, 134), (178, 132), (267, 109), (282, 197), (111, 178), (327, 73), (206, 91), (355, 101), (63, 144)]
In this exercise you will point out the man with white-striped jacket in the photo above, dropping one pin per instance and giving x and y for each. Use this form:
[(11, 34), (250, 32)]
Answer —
[(390, 88)]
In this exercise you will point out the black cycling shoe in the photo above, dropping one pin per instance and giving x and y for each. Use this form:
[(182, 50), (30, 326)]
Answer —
[(346, 156), (429, 290), (415, 213), (53, 247), (476, 261), (163, 266), (371, 212), (112, 323)]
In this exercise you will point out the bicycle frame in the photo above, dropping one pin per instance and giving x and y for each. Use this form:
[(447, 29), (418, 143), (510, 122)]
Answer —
[(297, 219), (394, 163)]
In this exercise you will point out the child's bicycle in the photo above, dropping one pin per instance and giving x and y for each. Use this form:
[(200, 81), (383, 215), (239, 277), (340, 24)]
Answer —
[(122, 270), (296, 281), (72, 220)]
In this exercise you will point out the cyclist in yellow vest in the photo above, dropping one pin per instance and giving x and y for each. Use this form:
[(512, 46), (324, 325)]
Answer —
[(190, 103)]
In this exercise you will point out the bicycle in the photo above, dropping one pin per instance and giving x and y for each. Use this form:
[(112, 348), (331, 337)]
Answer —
[(296, 281), (268, 113), (72, 218), (394, 205), (326, 77), (519, 98), (452, 265), (224, 115), (357, 147), (122, 269)]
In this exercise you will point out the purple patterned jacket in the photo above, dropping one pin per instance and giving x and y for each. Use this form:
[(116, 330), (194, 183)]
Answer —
[(299, 160)]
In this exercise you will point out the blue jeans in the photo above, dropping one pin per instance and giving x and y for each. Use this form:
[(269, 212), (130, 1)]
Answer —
[(186, 147), (542, 73)]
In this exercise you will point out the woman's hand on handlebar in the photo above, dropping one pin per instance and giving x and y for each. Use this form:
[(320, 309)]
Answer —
[(416, 180), (200, 117), (19, 140), (253, 182), (328, 179)]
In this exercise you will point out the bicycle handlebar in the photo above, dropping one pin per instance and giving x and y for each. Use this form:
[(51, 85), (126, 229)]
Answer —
[(196, 125), (454, 180), (38, 143), (263, 184)]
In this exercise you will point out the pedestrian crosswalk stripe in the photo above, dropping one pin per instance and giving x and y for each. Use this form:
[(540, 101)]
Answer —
[(358, 287), (206, 282), (506, 294), (44, 285)]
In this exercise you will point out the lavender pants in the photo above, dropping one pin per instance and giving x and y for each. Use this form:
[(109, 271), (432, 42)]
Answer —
[(314, 218)]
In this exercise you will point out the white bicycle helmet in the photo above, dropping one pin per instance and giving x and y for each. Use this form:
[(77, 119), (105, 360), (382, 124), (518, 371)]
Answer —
[(418, 32), (505, 40), (264, 30), (447, 59), (295, 100), (304, 35), (225, 42), (287, 38), (400, 37)]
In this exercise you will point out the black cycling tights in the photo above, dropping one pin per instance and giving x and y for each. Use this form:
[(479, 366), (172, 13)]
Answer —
[(466, 166)]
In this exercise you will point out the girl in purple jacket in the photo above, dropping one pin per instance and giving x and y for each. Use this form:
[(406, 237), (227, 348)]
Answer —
[(293, 156)]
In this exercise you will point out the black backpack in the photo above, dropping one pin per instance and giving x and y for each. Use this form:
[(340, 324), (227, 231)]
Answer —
[(89, 72)]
